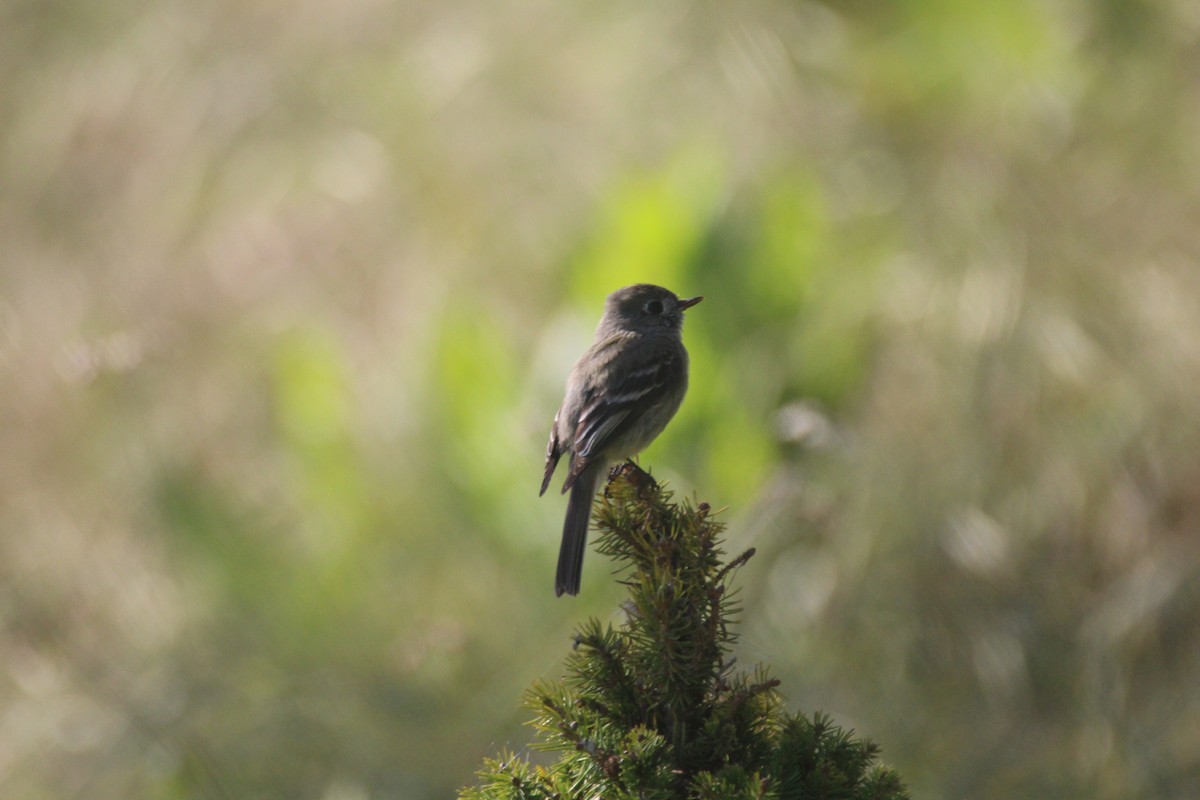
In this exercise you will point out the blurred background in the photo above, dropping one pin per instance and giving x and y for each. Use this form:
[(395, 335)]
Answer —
[(288, 292)]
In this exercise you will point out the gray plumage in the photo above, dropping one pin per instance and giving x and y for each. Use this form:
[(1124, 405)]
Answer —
[(619, 396)]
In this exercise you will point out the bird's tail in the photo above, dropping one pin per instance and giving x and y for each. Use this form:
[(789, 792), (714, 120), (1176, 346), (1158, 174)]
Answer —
[(575, 531)]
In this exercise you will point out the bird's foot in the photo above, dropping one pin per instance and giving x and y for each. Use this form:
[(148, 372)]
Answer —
[(639, 478)]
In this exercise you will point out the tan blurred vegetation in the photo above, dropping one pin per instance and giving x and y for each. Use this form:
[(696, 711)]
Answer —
[(287, 295)]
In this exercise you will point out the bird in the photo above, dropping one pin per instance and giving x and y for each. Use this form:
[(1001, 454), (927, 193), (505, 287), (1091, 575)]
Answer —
[(619, 397)]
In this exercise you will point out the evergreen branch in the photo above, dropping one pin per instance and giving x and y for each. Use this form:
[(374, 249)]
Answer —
[(654, 709)]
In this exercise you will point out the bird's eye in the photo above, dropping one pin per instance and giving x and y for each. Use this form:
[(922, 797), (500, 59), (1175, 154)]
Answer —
[(654, 307)]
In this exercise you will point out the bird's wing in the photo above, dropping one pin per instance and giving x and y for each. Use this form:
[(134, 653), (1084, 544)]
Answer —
[(616, 403), (553, 453)]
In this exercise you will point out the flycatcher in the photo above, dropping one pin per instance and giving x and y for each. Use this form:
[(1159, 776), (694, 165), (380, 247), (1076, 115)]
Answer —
[(620, 395)]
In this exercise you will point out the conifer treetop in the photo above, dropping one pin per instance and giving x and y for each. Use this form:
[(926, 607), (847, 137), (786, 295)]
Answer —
[(655, 709)]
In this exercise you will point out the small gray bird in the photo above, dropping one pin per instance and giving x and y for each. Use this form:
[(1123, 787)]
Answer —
[(620, 395)]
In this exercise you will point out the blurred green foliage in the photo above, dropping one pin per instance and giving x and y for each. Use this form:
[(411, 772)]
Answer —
[(289, 291)]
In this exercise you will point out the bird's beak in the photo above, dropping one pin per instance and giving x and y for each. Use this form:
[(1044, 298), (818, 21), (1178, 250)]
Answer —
[(688, 302)]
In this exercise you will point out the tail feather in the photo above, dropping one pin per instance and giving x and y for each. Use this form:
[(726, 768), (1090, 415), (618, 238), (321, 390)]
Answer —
[(575, 531)]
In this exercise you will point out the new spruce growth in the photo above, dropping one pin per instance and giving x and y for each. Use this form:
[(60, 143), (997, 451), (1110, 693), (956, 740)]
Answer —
[(654, 710)]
